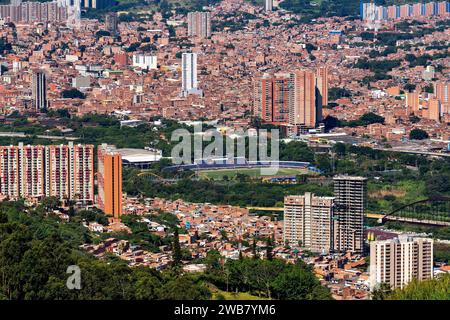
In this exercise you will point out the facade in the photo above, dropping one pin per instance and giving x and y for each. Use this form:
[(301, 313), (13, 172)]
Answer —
[(273, 97), (400, 260), (308, 222), (145, 62), (31, 12), (305, 107), (268, 5), (189, 75), (62, 171), (112, 23), (199, 24), (109, 179), (98, 4), (292, 99), (39, 90), (442, 93), (351, 203), (322, 85), (434, 110), (412, 102), (372, 12)]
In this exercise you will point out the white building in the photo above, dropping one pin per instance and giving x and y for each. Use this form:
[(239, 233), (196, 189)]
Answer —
[(189, 75), (400, 260), (269, 5), (145, 62)]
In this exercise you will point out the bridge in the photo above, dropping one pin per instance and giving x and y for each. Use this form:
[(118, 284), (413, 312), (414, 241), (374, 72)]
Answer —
[(433, 211)]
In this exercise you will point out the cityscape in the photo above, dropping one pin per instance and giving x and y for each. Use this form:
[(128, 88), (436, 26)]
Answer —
[(135, 140)]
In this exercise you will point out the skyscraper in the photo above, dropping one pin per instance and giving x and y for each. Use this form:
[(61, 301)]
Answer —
[(189, 75), (442, 93), (305, 107), (39, 90), (272, 98), (308, 222), (111, 23), (322, 85), (434, 109), (398, 261), (412, 102), (62, 171), (199, 24), (109, 179), (269, 5), (351, 203)]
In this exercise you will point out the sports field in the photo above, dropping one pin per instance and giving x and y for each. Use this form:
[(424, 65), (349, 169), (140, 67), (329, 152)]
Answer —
[(251, 172)]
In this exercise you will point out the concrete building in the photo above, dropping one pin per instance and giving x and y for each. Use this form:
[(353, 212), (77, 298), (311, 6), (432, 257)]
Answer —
[(62, 171), (442, 93), (322, 85), (268, 5), (39, 90), (305, 107), (199, 24), (31, 12), (109, 180), (112, 23), (189, 75), (400, 260), (308, 222), (273, 97), (293, 99), (412, 102), (145, 61), (351, 203)]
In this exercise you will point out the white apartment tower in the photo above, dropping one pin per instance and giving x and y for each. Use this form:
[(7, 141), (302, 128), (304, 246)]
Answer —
[(400, 260), (189, 75), (269, 5), (308, 222)]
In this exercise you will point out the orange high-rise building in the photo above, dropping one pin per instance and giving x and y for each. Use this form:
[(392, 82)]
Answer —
[(434, 110), (272, 98), (442, 93), (322, 85), (109, 178), (412, 102), (304, 108)]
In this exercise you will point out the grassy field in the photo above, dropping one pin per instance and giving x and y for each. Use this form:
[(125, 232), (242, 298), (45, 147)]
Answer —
[(253, 173)]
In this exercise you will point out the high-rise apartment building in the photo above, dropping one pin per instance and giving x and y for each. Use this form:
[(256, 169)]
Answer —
[(109, 179), (434, 109), (112, 23), (400, 260), (98, 4), (268, 5), (351, 203), (31, 12), (412, 102), (62, 171), (305, 107), (189, 75), (199, 24), (293, 99), (39, 90), (442, 93), (308, 222), (273, 97), (322, 85)]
